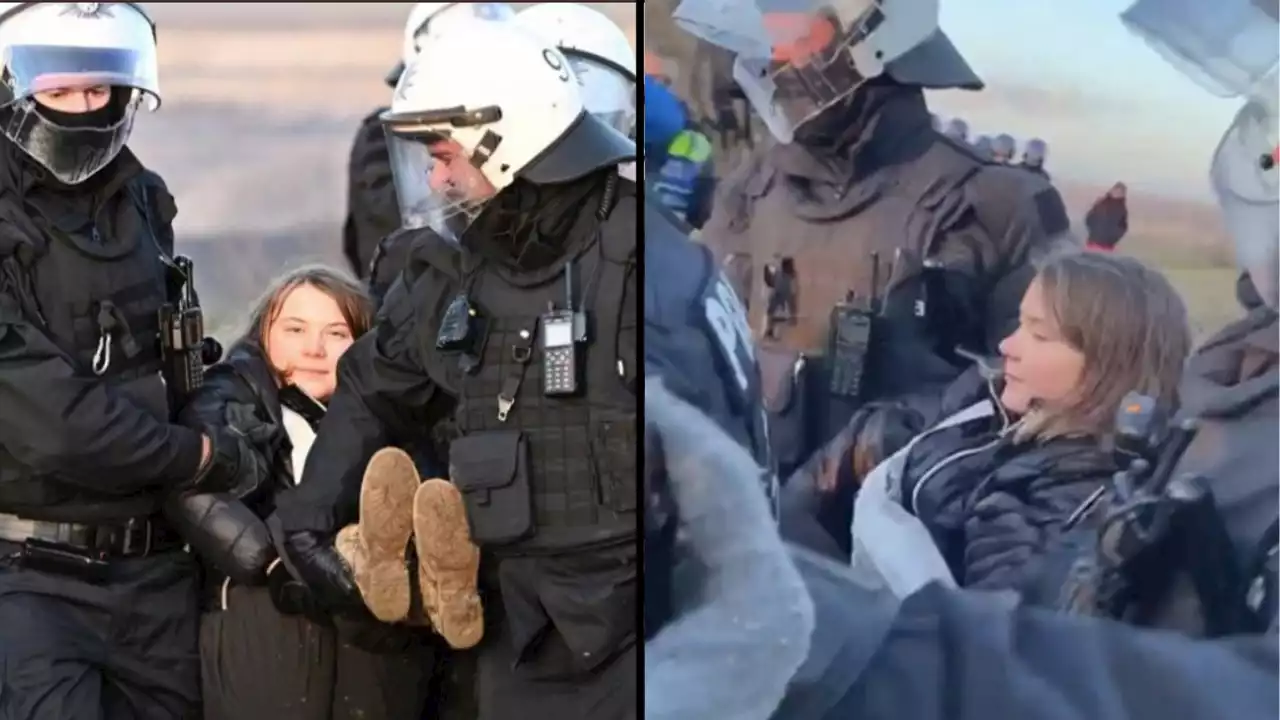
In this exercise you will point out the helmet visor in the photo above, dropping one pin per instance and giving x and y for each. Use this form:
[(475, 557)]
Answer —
[(795, 58), (70, 154), (35, 69), (440, 184), (1227, 47), (606, 93)]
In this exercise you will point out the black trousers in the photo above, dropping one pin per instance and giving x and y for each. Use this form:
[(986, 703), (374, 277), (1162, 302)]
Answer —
[(124, 649), (560, 636), (257, 663), (506, 693)]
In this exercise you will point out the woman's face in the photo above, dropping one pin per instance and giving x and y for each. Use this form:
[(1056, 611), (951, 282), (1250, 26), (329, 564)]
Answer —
[(75, 100), (1040, 367), (306, 339)]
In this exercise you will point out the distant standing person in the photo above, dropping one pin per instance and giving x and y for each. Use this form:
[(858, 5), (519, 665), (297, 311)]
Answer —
[(1108, 219)]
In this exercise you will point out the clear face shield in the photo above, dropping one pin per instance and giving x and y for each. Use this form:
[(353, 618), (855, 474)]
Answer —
[(794, 58), (607, 93), (1245, 180), (438, 175), (72, 107), (1228, 47)]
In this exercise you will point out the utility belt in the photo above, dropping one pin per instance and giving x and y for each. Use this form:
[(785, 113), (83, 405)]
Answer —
[(84, 551)]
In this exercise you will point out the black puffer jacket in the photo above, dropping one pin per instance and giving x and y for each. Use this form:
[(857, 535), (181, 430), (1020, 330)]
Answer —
[(993, 504), (226, 529)]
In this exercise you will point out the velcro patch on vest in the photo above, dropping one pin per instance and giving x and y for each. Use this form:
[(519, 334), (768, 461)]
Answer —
[(1052, 212)]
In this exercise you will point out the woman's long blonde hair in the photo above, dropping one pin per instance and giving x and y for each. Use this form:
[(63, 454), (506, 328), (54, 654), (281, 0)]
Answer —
[(1130, 325)]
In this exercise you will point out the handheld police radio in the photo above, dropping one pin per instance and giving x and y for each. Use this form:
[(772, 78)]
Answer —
[(850, 337), (183, 345), (562, 331)]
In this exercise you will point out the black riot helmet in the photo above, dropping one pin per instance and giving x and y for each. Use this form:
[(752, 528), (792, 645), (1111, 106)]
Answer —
[(794, 59), (1035, 153)]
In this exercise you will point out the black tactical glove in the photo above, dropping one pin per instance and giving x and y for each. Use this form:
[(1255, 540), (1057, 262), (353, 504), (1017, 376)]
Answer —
[(313, 560), (220, 471), (291, 597)]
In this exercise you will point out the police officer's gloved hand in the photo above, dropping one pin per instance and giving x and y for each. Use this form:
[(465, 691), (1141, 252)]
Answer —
[(325, 573), (220, 469), (885, 430), (290, 596)]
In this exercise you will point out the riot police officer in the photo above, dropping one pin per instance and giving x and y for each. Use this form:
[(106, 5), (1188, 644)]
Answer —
[(906, 246), (956, 655), (520, 351), (984, 147), (957, 129), (1034, 155), (98, 600), (1003, 148), (372, 214)]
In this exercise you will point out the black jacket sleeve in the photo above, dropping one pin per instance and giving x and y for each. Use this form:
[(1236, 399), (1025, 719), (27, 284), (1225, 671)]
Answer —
[(221, 527), (961, 655), (54, 420), (384, 397)]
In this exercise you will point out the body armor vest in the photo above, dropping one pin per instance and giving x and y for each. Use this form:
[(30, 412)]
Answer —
[(99, 303), (897, 215), (579, 452)]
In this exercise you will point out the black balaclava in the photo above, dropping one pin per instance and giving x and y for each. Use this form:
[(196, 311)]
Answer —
[(527, 227), (102, 118)]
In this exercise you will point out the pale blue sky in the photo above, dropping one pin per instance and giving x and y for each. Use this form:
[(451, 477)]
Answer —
[(1071, 73)]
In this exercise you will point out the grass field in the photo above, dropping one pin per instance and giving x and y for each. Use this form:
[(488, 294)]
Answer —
[(1206, 282)]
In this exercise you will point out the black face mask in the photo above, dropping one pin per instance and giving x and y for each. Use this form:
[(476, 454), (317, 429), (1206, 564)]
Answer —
[(527, 226), (102, 118), (49, 136)]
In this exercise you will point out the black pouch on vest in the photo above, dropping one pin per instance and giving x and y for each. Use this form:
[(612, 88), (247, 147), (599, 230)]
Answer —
[(491, 470)]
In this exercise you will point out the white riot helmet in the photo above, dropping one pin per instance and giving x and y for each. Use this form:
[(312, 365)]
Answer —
[(51, 47), (482, 105), (1229, 48), (427, 15), (601, 55), (796, 58)]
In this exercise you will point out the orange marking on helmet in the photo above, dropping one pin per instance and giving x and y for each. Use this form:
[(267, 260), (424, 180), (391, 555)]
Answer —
[(797, 37)]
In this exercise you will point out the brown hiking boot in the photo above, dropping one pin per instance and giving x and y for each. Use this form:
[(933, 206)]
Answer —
[(386, 521), (449, 564), (350, 546)]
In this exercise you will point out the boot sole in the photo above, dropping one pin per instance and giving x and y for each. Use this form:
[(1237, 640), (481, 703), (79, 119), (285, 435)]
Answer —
[(449, 564), (386, 522)]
